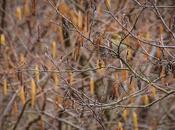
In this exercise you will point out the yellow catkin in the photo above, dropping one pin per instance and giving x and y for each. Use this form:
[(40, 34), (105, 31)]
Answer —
[(33, 93), (153, 92), (135, 121), (86, 26), (161, 30), (80, 20), (120, 126), (92, 86), (76, 53), (37, 73), (56, 79), (5, 89), (116, 76), (26, 8), (2, 39), (145, 99), (125, 114), (129, 54), (108, 4), (53, 50), (22, 95), (99, 10), (18, 13)]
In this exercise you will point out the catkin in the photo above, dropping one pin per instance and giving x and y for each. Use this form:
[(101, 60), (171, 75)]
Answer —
[(120, 126), (22, 95), (135, 121), (153, 92), (92, 86), (33, 93), (2, 39), (108, 4), (37, 73), (53, 50), (125, 114), (18, 13), (145, 99), (5, 87)]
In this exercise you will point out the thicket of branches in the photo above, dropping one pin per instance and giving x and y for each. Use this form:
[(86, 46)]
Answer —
[(87, 64)]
